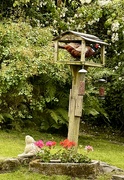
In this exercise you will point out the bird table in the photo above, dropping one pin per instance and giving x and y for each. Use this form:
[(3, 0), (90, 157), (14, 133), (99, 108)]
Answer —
[(78, 66)]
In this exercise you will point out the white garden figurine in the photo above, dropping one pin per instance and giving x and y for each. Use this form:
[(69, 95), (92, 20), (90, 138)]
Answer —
[(30, 149)]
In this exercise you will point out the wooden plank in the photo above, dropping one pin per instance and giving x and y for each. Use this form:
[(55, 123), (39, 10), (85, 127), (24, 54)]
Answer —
[(71, 126), (86, 63), (56, 51), (103, 55), (68, 41), (78, 106), (69, 108), (83, 44)]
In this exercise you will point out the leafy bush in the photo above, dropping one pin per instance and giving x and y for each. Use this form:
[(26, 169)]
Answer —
[(101, 18), (32, 90)]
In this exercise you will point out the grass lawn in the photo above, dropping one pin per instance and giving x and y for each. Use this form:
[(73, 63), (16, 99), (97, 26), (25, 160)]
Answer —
[(12, 143), (111, 152)]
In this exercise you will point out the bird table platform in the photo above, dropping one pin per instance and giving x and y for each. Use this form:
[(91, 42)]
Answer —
[(82, 47)]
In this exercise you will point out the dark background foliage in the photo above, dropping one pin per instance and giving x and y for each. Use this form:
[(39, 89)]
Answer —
[(34, 91)]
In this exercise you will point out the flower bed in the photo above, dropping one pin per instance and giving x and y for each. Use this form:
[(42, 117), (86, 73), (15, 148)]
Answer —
[(64, 161), (66, 154)]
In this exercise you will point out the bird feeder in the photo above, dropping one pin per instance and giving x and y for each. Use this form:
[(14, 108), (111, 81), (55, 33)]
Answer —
[(78, 74), (84, 40), (101, 83), (82, 73)]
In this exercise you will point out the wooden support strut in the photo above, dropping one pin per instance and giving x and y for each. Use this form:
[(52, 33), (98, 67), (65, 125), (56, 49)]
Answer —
[(103, 55), (83, 44), (56, 51)]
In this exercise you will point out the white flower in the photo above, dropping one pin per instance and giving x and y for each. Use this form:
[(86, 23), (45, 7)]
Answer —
[(115, 26), (64, 14), (85, 1), (82, 1), (75, 15), (88, 1), (114, 37), (119, 63), (91, 22), (108, 32), (103, 2), (116, 67), (79, 26), (41, 4), (80, 15), (120, 78), (54, 22)]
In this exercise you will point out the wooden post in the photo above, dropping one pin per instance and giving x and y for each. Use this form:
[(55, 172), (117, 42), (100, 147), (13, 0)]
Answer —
[(56, 51), (83, 44), (103, 54), (75, 106)]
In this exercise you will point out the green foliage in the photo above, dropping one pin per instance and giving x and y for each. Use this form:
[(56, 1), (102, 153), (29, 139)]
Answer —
[(94, 108), (45, 156), (71, 157), (23, 46), (64, 156), (105, 20), (32, 87), (115, 97)]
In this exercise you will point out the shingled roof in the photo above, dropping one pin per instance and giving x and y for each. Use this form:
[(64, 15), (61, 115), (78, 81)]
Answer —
[(87, 37)]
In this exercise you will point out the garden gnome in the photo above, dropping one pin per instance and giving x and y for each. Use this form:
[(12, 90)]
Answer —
[(30, 149)]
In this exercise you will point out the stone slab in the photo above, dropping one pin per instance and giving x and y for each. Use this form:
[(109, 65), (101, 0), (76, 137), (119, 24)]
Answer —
[(85, 170), (118, 177), (9, 164), (107, 168)]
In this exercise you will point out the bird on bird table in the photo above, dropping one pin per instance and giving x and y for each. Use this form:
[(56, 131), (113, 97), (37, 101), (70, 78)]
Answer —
[(75, 49)]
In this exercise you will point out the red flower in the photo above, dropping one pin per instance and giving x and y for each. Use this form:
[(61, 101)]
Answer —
[(67, 144), (50, 143)]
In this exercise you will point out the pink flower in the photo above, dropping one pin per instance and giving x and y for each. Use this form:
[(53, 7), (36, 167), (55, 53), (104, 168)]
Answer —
[(88, 148), (39, 143), (50, 143)]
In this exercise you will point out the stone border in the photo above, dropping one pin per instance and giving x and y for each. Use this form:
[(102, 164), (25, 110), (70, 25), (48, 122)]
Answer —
[(12, 164), (8, 164), (81, 170), (107, 168), (118, 177)]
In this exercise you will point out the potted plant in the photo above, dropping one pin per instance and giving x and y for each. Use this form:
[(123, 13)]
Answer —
[(66, 154)]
